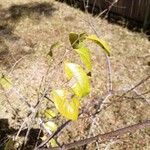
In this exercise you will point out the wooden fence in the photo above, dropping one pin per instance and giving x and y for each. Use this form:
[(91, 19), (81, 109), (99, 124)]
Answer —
[(138, 10)]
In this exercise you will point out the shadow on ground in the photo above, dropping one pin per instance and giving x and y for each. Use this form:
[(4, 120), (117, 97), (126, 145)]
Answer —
[(6, 132), (11, 16), (9, 19)]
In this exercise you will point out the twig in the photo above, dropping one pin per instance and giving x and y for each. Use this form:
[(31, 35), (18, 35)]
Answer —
[(109, 69), (103, 137), (20, 129), (15, 64), (111, 5), (93, 7), (110, 87), (141, 82), (144, 93), (52, 135), (141, 96), (38, 137), (67, 122)]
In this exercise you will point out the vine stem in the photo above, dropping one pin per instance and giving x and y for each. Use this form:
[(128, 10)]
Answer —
[(103, 137)]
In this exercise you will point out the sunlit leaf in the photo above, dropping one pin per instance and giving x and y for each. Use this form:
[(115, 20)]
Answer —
[(5, 83), (81, 84), (85, 57), (51, 126), (76, 40), (100, 42), (49, 114), (53, 143), (68, 108)]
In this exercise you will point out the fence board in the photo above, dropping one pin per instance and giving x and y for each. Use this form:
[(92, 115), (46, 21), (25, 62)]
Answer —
[(133, 9)]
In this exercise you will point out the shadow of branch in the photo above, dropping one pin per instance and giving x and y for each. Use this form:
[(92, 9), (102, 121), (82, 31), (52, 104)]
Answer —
[(6, 132)]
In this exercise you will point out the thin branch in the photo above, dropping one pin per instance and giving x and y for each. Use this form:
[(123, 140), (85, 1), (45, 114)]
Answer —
[(144, 93), (137, 85), (110, 87), (141, 96), (67, 122), (103, 137), (54, 134), (111, 5), (15, 64)]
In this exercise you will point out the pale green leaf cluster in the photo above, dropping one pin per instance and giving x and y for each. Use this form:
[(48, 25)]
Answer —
[(78, 80), (50, 125)]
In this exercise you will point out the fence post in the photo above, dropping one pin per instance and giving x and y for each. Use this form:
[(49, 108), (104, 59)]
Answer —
[(146, 23)]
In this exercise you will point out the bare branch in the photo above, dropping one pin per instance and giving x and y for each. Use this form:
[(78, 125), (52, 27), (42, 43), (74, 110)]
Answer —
[(103, 137), (54, 134), (137, 85)]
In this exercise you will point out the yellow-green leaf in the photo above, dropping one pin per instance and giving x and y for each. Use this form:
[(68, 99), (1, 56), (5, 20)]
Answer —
[(51, 126), (100, 42), (49, 114), (68, 108), (53, 46), (81, 84), (53, 143), (76, 40), (85, 57), (5, 83), (50, 53)]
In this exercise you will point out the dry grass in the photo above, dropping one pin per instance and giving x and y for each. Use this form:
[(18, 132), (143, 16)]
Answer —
[(29, 30)]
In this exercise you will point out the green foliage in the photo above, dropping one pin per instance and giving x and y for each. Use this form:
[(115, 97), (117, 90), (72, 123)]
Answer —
[(50, 125), (68, 108), (50, 53), (67, 101), (78, 81), (100, 42), (85, 57), (76, 40), (49, 114), (53, 143), (5, 83)]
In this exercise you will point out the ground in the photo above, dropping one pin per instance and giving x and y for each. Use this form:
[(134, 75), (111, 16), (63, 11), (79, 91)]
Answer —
[(27, 30)]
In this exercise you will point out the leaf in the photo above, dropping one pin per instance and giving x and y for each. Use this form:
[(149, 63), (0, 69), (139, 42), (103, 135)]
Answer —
[(53, 143), (50, 53), (49, 114), (53, 46), (100, 42), (85, 57), (68, 108), (5, 83), (76, 40), (9, 145), (51, 126), (81, 84)]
